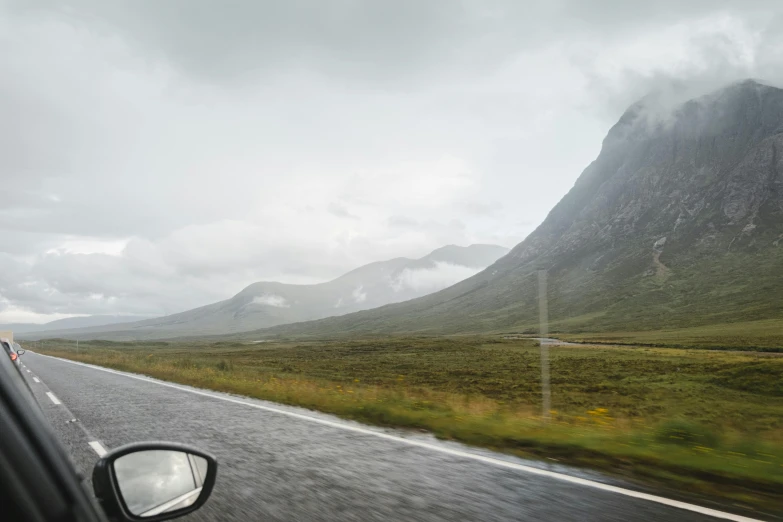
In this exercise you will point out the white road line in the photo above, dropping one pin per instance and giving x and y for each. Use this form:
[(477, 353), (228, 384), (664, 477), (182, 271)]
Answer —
[(53, 398), (99, 449), (36, 379), (171, 503), (441, 449), (28, 371)]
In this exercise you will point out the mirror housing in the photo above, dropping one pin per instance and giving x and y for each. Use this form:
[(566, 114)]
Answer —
[(127, 481), (20, 352)]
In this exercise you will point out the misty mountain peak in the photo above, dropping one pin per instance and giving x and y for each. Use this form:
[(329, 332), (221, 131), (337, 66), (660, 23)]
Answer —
[(681, 212), (718, 151), (747, 103), (270, 303)]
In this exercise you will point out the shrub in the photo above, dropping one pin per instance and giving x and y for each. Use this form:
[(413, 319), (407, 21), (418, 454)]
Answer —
[(225, 366), (687, 434)]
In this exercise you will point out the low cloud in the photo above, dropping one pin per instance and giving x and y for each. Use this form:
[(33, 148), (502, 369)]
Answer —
[(440, 276), (359, 295), (271, 300)]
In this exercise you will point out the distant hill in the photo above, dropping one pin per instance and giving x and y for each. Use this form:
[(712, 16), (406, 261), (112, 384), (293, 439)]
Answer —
[(71, 322), (678, 222), (267, 304)]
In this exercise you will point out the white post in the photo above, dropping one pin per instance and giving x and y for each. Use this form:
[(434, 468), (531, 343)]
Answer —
[(543, 332)]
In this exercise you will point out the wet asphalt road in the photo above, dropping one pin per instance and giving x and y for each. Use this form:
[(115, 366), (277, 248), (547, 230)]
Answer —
[(273, 466)]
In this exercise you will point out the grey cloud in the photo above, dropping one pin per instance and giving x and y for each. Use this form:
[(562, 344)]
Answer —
[(481, 208), (339, 210), (21, 243), (221, 41), (713, 59), (93, 284), (211, 136), (402, 222)]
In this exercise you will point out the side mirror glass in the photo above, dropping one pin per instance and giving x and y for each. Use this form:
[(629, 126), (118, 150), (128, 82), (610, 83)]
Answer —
[(154, 481), (20, 352)]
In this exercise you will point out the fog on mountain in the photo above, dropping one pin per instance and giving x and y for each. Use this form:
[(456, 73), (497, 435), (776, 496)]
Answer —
[(678, 222), (266, 304)]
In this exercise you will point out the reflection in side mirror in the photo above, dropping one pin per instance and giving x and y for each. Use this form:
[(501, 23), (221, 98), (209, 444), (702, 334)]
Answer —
[(19, 352), (159, 481), (153, 481)]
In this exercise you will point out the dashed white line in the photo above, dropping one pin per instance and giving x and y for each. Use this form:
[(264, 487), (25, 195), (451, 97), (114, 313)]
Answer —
[(441, 449), (99, 449), (28, 371), (53, 398), (36, 379)]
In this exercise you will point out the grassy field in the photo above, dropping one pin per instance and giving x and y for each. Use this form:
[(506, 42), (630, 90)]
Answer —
[(710, 422), (765, 335)]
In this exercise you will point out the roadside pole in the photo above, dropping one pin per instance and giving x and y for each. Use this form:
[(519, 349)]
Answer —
[(543, 332)]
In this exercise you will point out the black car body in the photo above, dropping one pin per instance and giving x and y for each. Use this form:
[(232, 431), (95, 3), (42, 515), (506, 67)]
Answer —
[(14, 351)]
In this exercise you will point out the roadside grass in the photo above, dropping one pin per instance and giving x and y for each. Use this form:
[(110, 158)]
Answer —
[(707, 422), (763, 335)]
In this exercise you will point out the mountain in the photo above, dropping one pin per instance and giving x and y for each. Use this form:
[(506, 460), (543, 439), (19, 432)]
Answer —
[(71, 322), (678, 222), (267, 304)]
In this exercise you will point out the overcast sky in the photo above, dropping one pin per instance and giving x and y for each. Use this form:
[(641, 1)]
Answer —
[(160, 155)]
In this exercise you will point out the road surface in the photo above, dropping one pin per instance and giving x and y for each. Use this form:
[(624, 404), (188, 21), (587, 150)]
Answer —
[(283, 463)]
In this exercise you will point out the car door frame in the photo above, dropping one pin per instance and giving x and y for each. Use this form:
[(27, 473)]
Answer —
[(33, 464)]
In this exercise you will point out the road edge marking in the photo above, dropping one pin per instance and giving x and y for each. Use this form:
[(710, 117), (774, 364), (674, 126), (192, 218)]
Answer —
[(53, 398), (36, 379), (440, 449), (98, 447)]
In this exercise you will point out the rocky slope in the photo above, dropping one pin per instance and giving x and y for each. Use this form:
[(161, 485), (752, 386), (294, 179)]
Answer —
[(679, 221), (266, 304)]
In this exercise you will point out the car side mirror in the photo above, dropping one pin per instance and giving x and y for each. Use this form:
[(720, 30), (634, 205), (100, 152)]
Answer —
[(20, 352), (153, 481)]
